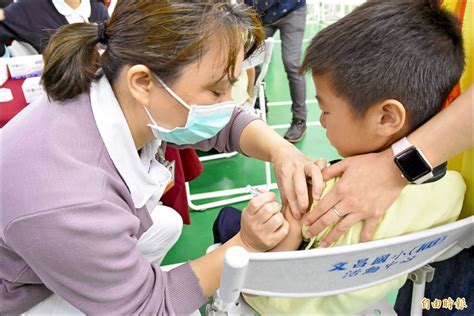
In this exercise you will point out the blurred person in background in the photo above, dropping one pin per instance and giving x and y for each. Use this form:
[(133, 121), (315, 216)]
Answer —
[(35, 21)]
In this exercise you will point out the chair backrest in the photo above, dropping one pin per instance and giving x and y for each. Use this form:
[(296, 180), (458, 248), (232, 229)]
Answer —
[(18, 49), (330, 271), (260, 58)]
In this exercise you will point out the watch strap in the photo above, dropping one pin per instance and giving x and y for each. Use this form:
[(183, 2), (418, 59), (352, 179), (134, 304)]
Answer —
[(424, 178), (438, 172), (401, 145)]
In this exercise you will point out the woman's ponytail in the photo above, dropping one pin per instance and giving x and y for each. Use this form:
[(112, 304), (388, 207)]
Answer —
[(71, 60)]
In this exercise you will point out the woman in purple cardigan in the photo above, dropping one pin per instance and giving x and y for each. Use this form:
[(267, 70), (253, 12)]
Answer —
[(84, 169)]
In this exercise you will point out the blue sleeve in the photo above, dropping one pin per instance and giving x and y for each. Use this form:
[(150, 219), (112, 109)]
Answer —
[(99, 12), (8, 31)]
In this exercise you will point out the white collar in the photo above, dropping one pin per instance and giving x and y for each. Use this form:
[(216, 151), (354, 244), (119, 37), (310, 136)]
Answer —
[(144, 176), (79, 15)]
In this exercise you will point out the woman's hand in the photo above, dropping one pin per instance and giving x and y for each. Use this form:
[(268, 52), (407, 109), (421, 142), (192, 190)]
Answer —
[(292, 169), (262, 228), (369, 185), (263, 225)]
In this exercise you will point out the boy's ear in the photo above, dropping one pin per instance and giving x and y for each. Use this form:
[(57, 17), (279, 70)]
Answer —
[(391, 117)]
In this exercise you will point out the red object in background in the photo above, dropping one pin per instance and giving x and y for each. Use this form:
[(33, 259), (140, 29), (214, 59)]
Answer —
[(187, 168), (106, 2), (456, 92), (9, 109)]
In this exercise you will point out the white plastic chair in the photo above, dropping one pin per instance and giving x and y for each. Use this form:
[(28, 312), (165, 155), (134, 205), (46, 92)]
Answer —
[(329, 11), (18, 48), (314, 10), (320, 272), (261, 57)]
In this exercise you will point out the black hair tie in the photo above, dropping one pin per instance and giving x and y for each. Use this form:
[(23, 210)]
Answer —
[(101, 32)]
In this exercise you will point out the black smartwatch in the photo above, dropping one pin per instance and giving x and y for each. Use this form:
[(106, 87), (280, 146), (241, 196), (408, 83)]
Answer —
[(411, 162)]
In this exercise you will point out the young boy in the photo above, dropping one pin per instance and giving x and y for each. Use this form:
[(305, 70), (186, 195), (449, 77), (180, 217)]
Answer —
[(380, 72)]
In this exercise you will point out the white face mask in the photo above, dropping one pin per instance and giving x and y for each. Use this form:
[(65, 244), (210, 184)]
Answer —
[(203, 122)]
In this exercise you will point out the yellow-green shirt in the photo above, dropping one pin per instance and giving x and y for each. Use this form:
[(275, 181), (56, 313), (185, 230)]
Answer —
[(418, 207)]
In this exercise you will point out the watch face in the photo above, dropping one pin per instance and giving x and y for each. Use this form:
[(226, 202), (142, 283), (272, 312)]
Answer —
[(412, 164)]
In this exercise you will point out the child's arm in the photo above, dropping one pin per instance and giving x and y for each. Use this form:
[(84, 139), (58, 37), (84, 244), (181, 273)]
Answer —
[(294, 238)]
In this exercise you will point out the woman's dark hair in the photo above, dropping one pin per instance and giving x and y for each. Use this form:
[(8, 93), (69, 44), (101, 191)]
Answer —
[(165, 36)]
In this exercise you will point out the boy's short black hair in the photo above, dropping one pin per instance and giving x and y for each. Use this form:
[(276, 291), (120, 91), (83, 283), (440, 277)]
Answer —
[(407, 50)]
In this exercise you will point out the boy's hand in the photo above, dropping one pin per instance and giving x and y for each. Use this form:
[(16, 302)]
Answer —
[(263, 225)]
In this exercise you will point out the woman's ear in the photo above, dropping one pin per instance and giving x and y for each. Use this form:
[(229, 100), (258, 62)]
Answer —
[(140, 81), (391, 117)]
